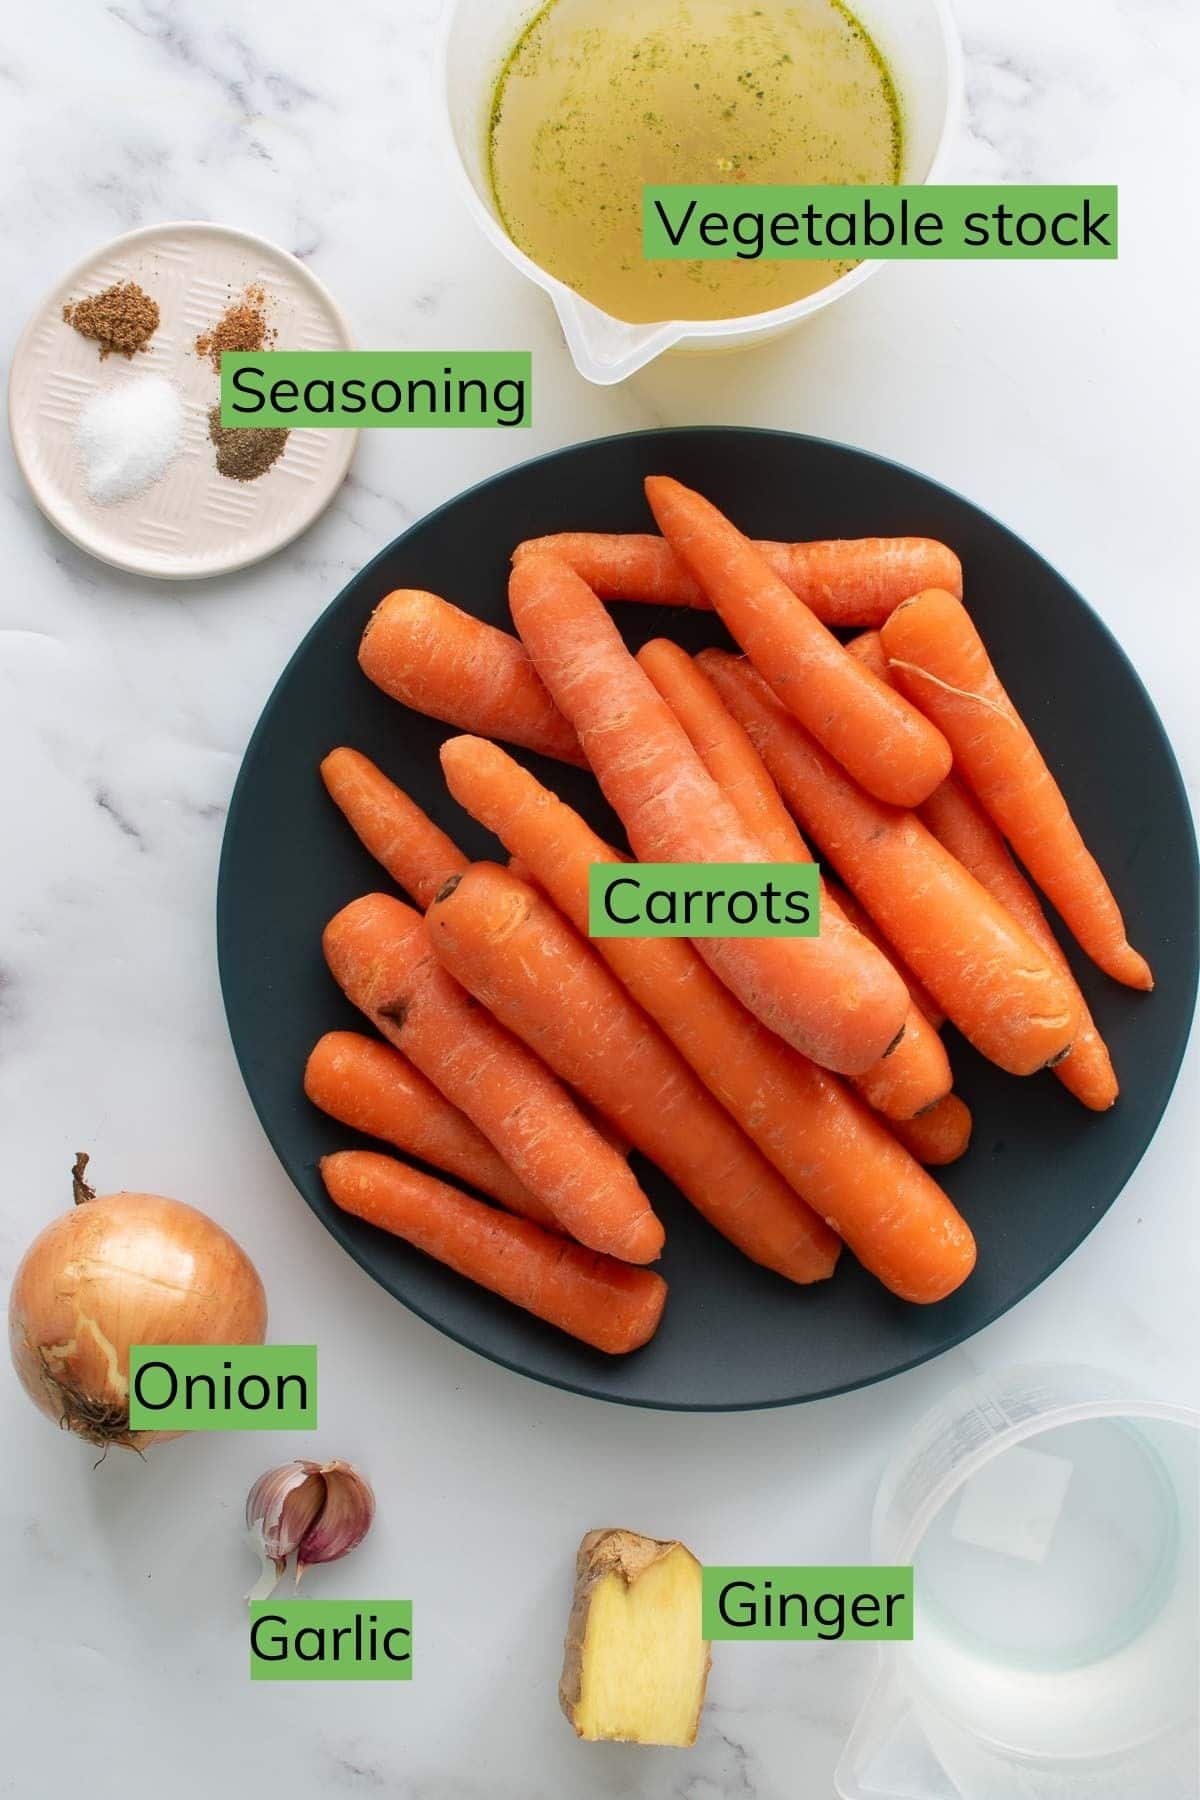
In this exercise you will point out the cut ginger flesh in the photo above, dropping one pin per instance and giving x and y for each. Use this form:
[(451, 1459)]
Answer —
[(635, 1651)]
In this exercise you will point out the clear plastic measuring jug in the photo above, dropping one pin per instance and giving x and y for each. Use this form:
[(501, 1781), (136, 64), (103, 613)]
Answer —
[(920, 44), (1051, 1517)]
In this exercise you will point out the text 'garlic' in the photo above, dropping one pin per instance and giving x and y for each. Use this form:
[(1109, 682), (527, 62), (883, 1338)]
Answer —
[(320, 1511)]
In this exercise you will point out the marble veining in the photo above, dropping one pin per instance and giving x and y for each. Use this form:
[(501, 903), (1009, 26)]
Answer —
[(1061, 399)]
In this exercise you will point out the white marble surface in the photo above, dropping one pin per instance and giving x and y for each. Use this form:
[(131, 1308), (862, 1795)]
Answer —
[(1063, 398)]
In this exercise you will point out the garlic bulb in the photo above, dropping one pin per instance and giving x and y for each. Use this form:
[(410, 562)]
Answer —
[(319, 1511)]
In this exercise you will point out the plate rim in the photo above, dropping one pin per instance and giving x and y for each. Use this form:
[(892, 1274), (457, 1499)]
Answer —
[(38, 489), (338, 1228)]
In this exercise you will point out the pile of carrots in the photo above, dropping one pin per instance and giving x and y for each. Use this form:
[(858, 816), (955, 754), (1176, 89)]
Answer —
[(796, 1091)]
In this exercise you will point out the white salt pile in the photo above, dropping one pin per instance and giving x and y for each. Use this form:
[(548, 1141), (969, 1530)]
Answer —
[(127, 437)]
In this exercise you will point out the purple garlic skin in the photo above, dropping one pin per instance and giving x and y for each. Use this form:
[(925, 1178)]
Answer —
[(280, 1508), (317, 1511), (342, 1522)]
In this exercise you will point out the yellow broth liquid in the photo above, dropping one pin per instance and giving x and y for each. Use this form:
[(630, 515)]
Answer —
[(598, 97)]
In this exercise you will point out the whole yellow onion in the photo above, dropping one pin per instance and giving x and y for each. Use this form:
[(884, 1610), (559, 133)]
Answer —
[(123, 1269)]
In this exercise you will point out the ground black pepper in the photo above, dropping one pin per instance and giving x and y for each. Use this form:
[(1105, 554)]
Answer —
[(244, 452)]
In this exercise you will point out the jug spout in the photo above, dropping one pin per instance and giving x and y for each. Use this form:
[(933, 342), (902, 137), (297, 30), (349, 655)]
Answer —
[(607, 350), (888, 1756)]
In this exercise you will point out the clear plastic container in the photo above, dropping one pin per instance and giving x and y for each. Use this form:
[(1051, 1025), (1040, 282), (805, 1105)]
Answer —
[(919, 41), (1051, 1517)]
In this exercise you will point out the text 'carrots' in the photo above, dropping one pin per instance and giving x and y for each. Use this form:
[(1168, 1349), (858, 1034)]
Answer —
[(595, 1298)]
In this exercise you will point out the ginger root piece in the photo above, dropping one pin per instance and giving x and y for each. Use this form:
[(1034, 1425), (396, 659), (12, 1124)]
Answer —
[(636, 1662)]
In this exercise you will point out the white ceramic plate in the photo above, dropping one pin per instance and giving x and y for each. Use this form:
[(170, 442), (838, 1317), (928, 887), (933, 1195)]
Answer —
[(193, 521)]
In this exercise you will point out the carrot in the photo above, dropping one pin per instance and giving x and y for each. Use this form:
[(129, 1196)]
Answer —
[(834, 997), (916, 1072), (595, 1298), (379, 954), (825, 1143), (867, 648), (939, 1136), (374, 1089), (844, 581), (416, 853), (938, 658), (511, 947), (419, 857), (439, 660), (913, 1078), (886, 744), (958, 821), (862, 921), (981, 967), (724, 749)]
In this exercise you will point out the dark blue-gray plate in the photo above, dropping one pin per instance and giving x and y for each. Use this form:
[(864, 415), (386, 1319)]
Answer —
[(1040, 1172)]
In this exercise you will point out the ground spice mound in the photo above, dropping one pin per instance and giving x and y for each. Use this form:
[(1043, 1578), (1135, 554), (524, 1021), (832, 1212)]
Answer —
[(123, 318), (242, 326), (244, 452)]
